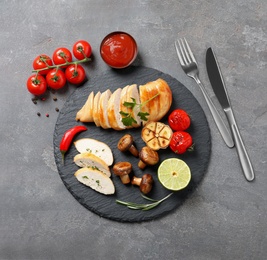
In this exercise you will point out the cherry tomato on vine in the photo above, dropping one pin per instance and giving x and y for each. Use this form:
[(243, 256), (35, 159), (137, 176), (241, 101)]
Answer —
[(61, 56), (75, 74), (81, 50), (56, 79), (36, 85), (179, 120), (181, 142), (40, 62)]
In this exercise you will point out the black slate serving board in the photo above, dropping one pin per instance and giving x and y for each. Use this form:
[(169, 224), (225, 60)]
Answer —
[(106, 206)]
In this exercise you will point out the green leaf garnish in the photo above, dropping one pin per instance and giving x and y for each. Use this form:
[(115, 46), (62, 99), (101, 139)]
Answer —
[(143, 115), (127, 118), (130, 104), (137, 206)]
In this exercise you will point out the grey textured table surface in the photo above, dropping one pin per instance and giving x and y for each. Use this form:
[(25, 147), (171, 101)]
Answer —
[(225, 218)]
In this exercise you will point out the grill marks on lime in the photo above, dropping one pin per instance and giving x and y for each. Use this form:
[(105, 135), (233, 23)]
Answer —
[(174, 174)]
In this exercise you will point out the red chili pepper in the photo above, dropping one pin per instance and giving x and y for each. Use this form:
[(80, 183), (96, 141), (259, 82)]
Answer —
[(68, 137)]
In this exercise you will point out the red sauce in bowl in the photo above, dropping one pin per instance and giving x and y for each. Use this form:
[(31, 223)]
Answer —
[(118, 50)]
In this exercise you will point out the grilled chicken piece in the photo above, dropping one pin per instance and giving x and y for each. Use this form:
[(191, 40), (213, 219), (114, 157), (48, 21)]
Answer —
[(159, 106), (95, 109), (93, 146), (85, 114), (96, 180), (123, 98), (114, 116), (133, 93), (90, 160), (104, 109)]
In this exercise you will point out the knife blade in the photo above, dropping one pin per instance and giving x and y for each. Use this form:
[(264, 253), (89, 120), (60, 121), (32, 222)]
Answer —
[(219, 88)]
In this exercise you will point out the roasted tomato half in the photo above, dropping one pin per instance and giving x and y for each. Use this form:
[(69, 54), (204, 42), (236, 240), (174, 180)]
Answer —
[(181, 142)]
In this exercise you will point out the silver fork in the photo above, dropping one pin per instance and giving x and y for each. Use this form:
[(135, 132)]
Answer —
[(190, 67)]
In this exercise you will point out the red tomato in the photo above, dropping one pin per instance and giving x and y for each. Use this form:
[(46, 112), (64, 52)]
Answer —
[(81, 50), (75, 74), (61, 56), (40, 62), (179, 120), (36, 85), (181, 142), (56, 79)]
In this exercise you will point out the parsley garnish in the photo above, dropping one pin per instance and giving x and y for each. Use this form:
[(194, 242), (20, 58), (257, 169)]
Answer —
[(143, 115), (88, 150), (127, 118)]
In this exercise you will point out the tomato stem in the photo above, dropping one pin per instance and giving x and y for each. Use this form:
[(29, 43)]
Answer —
[(62, 65), (43, 59), (57, 70), (37, 72)]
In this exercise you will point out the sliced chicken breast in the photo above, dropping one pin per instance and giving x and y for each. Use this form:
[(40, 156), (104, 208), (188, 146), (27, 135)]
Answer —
[(114, 116), (102, 110), (98, 148), (85, 114), (95, 109), (95, 180), (123, 98), (132, 93), (90, 160)]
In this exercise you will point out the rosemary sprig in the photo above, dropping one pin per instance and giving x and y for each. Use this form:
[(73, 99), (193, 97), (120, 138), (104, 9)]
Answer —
[(127, 118), (137, 206)]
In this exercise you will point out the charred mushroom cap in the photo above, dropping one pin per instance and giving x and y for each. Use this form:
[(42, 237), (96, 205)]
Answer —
[(145, 183), (123, 169), (147, 157), (126, 144)]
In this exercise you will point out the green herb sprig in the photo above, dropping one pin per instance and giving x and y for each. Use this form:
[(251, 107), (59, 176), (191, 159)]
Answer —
[(137, 206), (127, 118)]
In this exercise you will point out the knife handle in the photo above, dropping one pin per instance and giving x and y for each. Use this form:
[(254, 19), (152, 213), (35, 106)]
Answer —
[(240, 147), (227, 137)]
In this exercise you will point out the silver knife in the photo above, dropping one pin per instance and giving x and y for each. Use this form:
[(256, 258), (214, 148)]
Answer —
[(220, 91)]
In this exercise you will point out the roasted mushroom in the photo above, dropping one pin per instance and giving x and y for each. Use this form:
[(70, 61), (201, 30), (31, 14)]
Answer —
[(147, 157), (145, 183), (123, 169), (126, 144)]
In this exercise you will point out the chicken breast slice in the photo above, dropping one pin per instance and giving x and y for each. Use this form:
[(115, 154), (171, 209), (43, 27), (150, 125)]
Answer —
[(95, 109), (123, 98), (132, 93), (85, 114), (113, 111), (90, 160), (95, 180), (103, 109)]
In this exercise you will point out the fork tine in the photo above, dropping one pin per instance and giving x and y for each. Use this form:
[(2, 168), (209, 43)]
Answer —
[(186, 54), (183, 51), (190, 52), (177, 47)]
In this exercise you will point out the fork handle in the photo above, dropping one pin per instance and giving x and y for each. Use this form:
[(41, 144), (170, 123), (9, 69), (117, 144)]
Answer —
[(227, 137)]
